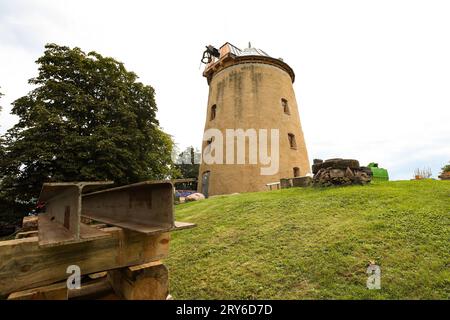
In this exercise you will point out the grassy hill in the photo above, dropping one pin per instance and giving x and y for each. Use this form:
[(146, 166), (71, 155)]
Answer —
[(316, 243)]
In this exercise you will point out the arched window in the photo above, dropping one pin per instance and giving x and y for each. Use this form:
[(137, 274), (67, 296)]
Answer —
[(292, 142), (285, 105), (213, 112), (296, 172)]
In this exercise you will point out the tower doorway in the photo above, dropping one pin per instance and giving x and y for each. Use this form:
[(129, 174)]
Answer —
[(205, 183)]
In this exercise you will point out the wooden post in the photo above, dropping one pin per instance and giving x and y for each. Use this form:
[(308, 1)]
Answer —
[(148, 281), (29, 223), (27, 234), (56, 291), (91, 290)]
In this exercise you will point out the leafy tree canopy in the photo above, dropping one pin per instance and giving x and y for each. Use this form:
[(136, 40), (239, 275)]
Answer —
[(1, 140), (188, 163), (2, 154), (446, 168), (88, 118)]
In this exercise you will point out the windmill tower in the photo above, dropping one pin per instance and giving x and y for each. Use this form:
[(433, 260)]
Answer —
[(250, 90)]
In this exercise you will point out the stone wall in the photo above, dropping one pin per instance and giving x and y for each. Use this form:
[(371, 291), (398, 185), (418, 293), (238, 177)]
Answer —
[(340, 172), (249, 96)]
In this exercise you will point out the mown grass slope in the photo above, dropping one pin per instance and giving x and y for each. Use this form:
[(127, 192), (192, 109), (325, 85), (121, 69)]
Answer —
[(316, 243)]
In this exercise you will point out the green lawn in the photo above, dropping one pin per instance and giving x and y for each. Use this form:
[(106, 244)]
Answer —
[(316, 243)]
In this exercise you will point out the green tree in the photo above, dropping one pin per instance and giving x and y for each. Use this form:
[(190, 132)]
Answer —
[(7, 212), (446, 168), (88, 118), (188, 163), (2, 152)]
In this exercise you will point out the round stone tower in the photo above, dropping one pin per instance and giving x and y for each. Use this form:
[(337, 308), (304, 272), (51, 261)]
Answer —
[(251, 101)]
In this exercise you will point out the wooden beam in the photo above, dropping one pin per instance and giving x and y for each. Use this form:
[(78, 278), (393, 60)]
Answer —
[(56, 291), (149, 281), (24, 264), (91, 290), (27, 234), (99, 225), (29, 223), (97, 275)]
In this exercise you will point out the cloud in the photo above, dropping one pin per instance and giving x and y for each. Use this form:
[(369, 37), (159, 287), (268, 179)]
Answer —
[(372, 78)]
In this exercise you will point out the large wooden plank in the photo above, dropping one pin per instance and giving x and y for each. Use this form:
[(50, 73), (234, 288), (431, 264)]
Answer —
[(27, 234), (29, 223), (149, 281), (56, 291), (24, 264), (91, 290), (179, 225)]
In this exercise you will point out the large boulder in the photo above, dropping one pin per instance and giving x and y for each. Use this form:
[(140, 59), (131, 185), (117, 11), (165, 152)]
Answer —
[(195, 197), (444, 176)]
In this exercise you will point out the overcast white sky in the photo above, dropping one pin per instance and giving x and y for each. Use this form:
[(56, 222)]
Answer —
[(372, 77)]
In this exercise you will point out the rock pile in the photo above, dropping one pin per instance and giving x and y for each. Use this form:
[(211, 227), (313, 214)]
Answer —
[(195, 197), (339, 172), (445, 176)]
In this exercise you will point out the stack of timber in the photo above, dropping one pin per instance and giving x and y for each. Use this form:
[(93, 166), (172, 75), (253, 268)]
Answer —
[(116, 237)]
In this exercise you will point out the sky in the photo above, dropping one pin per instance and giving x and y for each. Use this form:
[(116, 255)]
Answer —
[(372, 77)]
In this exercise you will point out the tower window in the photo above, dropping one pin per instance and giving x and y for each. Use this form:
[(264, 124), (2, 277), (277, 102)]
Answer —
[(213, 112), (292, 142), (285, 105), (296, 172), (208, 145)]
